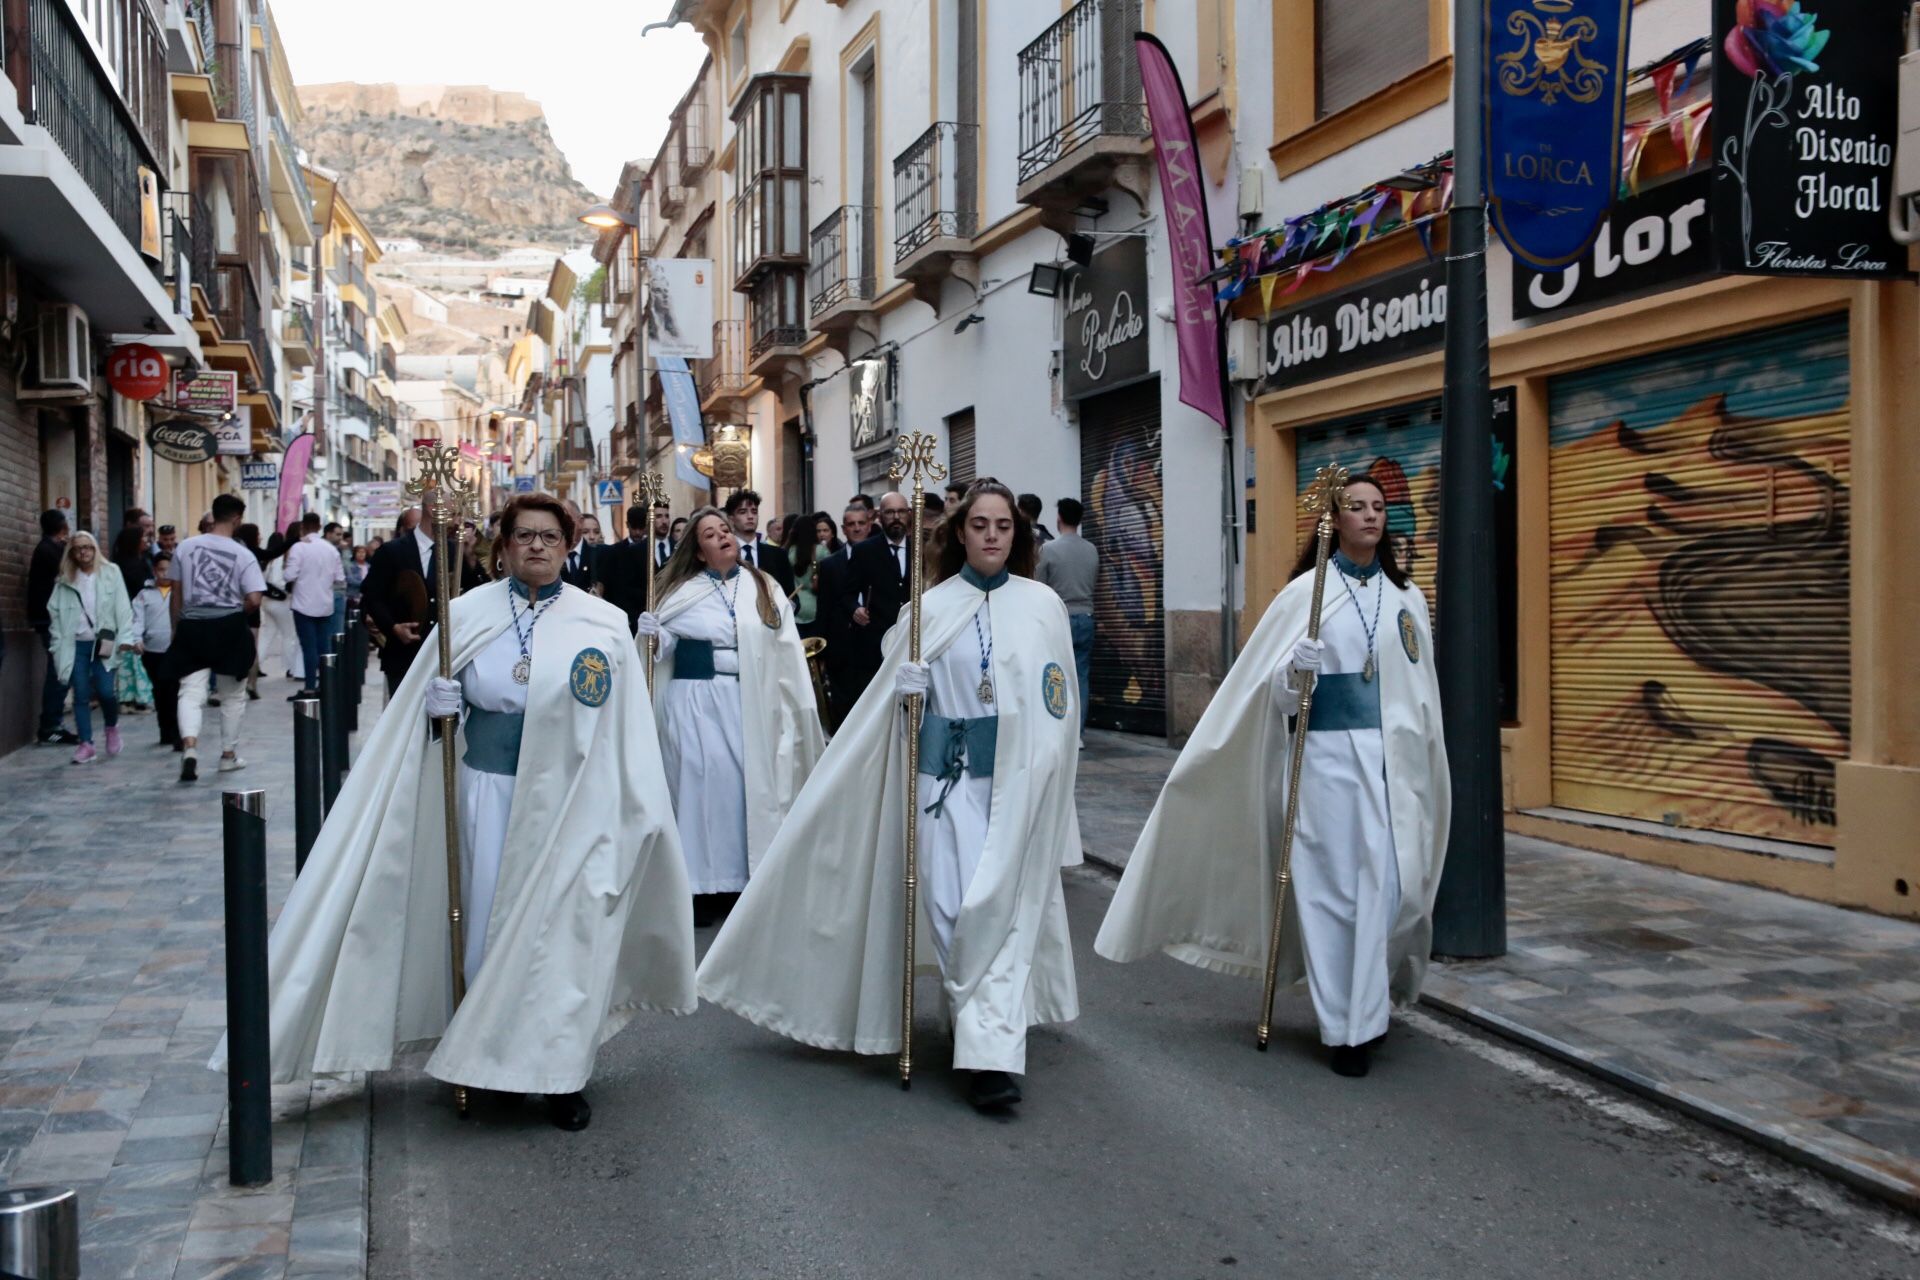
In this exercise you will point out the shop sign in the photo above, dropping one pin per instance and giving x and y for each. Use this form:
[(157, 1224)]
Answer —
[(259, 475), (1805, 115), (1659, 239), (1105, 331), (234, 434), (137, 372), (181, 440), (209, 391), (1388, 318)]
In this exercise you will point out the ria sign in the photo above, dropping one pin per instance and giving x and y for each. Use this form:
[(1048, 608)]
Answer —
[(137, 371)]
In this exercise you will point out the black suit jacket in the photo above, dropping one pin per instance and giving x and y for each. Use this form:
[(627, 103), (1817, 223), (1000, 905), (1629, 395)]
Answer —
[(588, 573), (622, 571), (773, 562), (874, 576), (396, 580)]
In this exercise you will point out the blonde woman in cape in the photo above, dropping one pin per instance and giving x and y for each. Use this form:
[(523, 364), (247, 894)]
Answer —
[(572, 885), (813, 951), (1374, 801), (739, 728)]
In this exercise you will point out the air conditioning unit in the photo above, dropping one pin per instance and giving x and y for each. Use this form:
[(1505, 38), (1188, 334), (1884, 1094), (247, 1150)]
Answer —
[(66, 348)]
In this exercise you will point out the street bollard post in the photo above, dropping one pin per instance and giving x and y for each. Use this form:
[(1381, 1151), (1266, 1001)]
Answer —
[(348, 715), (333, 741), (40, 1233), (350, 660), (309, 777), (243, 824)]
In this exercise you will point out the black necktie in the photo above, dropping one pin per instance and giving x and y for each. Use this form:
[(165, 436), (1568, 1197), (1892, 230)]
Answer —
[(573, 563), (746, 549)]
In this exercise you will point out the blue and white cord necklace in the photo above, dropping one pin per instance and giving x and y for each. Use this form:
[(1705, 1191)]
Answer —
[(523, 669), (986, 658), (713, 579), (1373, 628)]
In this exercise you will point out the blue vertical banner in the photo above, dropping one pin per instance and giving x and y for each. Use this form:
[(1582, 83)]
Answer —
[(683, 413), (1554, 98)]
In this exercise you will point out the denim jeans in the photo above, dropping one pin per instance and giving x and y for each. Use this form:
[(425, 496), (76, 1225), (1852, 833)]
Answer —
[(91, 680), (53, 694), (1081, 625), (313, 633)]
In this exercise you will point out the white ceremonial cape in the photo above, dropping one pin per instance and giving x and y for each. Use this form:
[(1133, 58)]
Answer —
[(1199, 885), (778, 713), (813, 949), (591, 919)]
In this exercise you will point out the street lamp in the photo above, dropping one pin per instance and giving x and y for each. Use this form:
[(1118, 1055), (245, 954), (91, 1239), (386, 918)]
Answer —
[(605, 217)]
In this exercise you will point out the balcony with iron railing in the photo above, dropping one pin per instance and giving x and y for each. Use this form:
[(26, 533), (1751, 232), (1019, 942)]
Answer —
[(189, 245), (841, 277), (389, 362), (1083, 111), (776, 320), (296, 337), (936, 215), (723, 376)]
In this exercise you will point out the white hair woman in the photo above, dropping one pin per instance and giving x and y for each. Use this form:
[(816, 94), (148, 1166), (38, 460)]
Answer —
[(92, 628), (739, 728)]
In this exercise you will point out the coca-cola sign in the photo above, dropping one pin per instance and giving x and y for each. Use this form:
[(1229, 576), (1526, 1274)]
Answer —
[(181, 440)]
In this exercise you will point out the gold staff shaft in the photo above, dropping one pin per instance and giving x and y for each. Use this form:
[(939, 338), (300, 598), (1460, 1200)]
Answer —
[(1323, 498), (653, 491), (913, 456)]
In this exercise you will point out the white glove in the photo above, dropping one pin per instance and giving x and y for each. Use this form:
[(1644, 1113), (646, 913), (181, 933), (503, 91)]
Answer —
[(443, 698), (648, 625), (912, 678), (1307, 656)]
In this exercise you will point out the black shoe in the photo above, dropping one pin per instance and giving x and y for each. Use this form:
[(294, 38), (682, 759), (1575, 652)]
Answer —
[(59, 738), (1350, 1060), (992, 1091), (569, 1111), (706, 909), (178, 746), (213, 701), (189, 769), (253, 695)]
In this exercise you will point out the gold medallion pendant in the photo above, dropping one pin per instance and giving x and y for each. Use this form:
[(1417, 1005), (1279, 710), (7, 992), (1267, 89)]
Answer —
[(523, 669), (1366, 672), (986, 690)]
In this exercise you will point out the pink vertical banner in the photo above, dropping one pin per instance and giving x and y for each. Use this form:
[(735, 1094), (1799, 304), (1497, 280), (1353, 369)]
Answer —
[(1197, 322), (293, 479)]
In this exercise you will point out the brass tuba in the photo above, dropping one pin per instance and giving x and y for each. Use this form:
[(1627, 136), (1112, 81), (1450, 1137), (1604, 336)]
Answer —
[(816, 648)]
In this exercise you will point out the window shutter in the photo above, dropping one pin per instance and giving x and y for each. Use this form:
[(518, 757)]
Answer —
[(1364, 46)]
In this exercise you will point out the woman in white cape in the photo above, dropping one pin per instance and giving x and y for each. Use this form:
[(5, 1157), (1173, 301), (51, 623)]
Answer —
[(814, 949), (739, 728), (1374, 801), (573, 888)]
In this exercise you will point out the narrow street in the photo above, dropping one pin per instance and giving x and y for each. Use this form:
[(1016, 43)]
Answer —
[(1154, 1142)]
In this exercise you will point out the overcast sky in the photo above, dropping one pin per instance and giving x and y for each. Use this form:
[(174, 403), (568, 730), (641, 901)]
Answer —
[(606, 91)]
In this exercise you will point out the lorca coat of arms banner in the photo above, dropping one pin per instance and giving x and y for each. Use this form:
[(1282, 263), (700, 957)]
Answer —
[(1554, 91)]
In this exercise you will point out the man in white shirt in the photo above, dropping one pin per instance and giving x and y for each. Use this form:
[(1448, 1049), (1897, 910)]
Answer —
[(216, 580), (743, 513), (312, 569)]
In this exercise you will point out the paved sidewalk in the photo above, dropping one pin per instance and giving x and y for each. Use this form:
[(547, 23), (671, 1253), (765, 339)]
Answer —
[(113, 995), (1793, 1023)]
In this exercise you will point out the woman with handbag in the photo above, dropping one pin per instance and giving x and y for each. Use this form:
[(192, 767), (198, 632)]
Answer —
[(279, 643), (134, 690), (90, 616)]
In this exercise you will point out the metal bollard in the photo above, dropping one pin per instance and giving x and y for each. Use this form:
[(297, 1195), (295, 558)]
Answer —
[(349, 705), (243, 823), (40, 1233), (309, 778), (357, 649), (333, 741)]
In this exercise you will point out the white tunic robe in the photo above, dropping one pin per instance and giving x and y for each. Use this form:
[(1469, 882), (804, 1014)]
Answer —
[(953, 839), (1346, 878), (486, 799), (703, 743)]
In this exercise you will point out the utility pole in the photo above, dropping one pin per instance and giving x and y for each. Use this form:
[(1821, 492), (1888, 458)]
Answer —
[(1470, 915)]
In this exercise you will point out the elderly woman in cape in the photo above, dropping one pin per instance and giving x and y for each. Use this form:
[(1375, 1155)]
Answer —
[(813, 951), (1374, 801), (572, 884), (739, 728)]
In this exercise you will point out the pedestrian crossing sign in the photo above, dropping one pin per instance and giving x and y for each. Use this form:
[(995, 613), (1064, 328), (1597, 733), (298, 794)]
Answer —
[(608, 493)]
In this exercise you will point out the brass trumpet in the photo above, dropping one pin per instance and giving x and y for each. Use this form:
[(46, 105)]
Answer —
[(816, 647)]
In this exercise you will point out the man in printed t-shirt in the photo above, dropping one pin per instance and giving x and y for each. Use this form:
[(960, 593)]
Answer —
[(216, 581)]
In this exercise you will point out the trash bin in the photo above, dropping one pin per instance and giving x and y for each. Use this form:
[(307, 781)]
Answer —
[(40, 1233)]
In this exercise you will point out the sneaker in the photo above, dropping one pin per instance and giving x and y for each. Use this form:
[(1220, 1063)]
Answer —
[(232, 764), (86, 754), (113, 740), (59, 738), (190, 770)]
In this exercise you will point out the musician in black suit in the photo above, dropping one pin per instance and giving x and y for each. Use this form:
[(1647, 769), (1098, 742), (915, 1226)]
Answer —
[(398, 593), (622, 566), (743, 513), (838, 599), (878, 568)]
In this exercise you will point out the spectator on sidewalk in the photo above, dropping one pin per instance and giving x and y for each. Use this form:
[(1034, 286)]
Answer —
[(166, 538), (133, 688), (91, 623), (279, 641), (153, 630), (1030, 508), (42, 573), (312, 569), (216, 581), (1071, 566)]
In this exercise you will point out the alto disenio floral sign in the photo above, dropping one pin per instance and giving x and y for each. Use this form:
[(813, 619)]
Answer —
[(1805, 115)]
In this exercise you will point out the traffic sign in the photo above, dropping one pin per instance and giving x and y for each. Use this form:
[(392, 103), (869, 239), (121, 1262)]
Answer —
[(609, 493), (523, 484)]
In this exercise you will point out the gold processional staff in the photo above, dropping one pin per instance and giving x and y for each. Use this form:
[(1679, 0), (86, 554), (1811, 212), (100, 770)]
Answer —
[(1321, 500), (446, 498), (652, 492), (913, 459)]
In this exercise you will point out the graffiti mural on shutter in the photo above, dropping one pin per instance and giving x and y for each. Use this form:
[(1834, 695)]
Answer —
[(1700, 576), (1120, 483)]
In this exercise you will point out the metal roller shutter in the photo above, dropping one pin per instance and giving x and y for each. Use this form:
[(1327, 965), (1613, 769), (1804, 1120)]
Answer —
[(960, 451), (1120, 481), (1700, 577)]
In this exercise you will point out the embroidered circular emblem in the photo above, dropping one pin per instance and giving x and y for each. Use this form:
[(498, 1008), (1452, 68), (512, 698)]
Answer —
[(1409, 636), (591, 677), (1053, 686)]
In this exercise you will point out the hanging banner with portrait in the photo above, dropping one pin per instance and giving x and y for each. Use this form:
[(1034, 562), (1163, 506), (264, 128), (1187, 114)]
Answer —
[(1554, 96)]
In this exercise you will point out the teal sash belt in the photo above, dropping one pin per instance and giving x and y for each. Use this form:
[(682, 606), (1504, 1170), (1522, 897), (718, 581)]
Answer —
[(949, 748), (693, 660), (1345, 701), (493, 741)]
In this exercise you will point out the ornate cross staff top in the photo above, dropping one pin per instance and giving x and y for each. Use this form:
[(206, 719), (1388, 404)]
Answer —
[(913, 460), (448, 494), (652, 491), (1324, 495)]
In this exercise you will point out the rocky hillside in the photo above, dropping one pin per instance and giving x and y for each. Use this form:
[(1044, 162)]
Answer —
[(457, 167)]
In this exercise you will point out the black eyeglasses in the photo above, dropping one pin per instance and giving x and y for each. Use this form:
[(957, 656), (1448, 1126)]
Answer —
[(545, 537)]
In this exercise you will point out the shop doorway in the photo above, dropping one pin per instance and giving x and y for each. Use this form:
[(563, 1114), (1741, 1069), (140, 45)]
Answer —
[(1120, 483)]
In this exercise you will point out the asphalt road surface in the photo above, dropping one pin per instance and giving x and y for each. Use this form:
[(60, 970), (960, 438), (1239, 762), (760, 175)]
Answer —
[(1154, 1142)]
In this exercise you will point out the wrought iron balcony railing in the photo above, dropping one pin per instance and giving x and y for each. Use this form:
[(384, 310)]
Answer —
[(936, 187), (1080, 81), (189, 232), (726, 370), (840, 267)]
